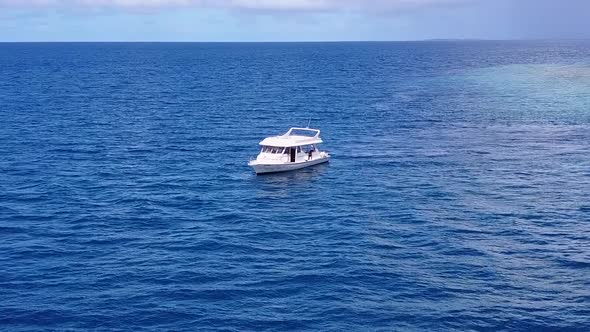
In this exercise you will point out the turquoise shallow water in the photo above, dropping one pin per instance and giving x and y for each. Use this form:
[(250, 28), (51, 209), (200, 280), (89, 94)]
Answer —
[(457, 197), (551, 92)]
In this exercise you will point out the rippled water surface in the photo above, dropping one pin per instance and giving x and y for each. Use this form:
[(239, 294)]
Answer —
[(458, 197)]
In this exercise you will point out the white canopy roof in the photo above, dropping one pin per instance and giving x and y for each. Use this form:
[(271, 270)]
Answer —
[(293, 138)]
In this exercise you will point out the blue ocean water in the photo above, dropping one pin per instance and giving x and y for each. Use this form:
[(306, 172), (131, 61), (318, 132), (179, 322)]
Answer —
[(458, 196)]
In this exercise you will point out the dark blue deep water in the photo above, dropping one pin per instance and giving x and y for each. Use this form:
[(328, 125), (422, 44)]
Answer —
[(458, 197)]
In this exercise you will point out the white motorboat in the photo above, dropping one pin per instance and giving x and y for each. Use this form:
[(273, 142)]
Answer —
[(294, 150)]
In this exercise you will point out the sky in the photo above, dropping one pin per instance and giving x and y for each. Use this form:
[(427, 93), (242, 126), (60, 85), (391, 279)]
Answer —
[(291, 20)]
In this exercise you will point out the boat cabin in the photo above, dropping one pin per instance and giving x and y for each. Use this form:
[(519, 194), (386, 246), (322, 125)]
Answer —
[(297, 145), (289, 154)]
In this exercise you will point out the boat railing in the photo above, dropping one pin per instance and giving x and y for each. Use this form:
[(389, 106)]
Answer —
[(296, 129)]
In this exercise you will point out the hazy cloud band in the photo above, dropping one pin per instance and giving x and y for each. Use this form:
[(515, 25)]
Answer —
[(273, 5)]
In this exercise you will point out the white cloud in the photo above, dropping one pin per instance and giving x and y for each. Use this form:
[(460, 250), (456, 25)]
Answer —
[(270, 5)]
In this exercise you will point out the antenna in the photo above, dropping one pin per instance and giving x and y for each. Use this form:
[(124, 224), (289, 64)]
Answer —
[(308, 123)]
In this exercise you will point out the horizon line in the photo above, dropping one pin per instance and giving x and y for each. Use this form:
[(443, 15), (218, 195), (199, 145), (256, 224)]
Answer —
[(297, 41)]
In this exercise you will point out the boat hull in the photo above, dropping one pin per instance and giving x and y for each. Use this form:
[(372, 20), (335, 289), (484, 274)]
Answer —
[(276, 168)]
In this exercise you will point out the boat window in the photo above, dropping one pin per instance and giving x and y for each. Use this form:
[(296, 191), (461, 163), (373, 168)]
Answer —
[(298, 149), (271, 149)]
